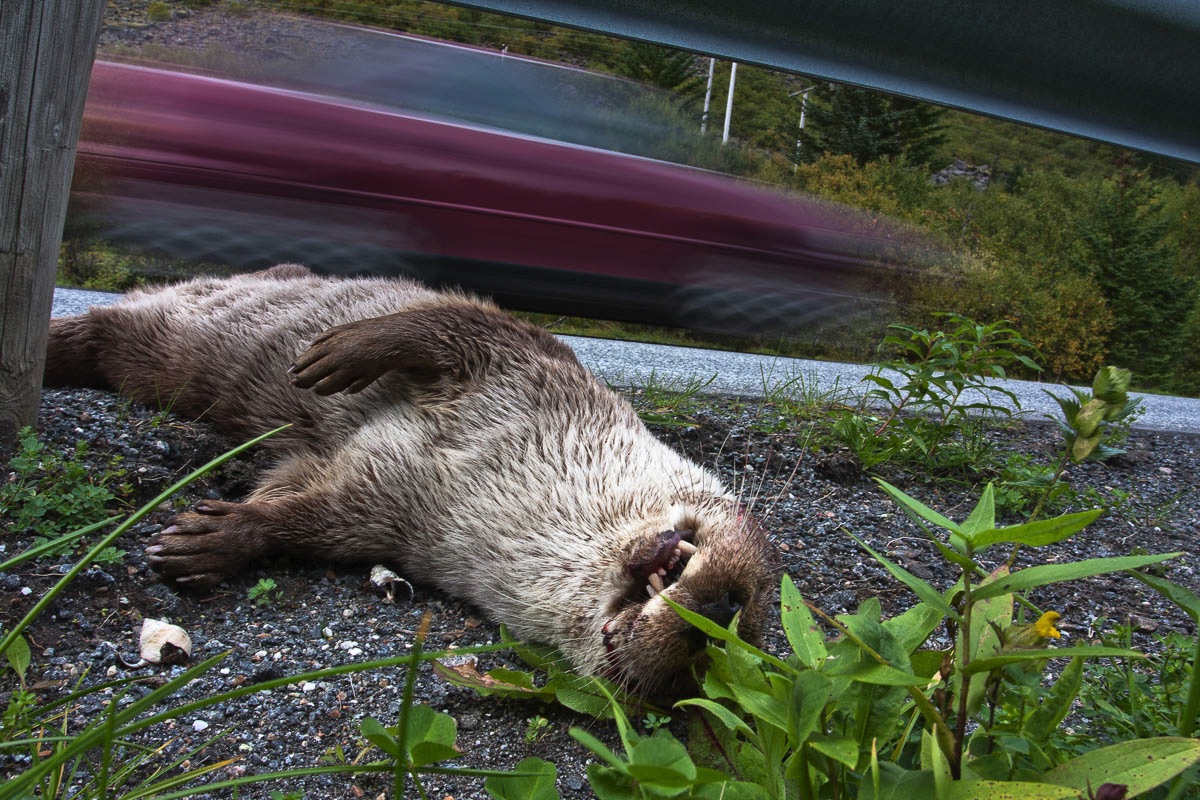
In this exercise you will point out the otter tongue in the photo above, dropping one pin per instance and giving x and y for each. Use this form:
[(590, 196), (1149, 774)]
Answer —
[(661, 558)]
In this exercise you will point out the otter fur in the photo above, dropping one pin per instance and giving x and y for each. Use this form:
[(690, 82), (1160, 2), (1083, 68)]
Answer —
[(435, 433)]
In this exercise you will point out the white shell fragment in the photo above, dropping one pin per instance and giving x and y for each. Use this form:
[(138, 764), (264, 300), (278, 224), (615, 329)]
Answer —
[(164, 643), (389, 584)]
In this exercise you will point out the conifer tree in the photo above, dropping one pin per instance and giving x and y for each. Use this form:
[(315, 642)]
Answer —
[(1126, 249), (869, 126)]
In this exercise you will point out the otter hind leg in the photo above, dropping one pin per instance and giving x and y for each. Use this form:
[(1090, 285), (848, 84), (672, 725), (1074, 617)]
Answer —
[(72, 351), (218, 539), (201, 548)]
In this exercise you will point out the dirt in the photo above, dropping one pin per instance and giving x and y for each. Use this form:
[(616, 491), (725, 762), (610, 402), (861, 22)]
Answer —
[(810, 496)]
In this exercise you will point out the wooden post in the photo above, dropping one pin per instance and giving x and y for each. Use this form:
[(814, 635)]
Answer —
[(46, 53)]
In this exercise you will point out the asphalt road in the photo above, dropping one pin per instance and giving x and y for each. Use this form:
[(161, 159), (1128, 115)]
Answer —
[(633, 364)]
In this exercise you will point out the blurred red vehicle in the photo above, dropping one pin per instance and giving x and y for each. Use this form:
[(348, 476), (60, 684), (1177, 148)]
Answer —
[(249, 175)]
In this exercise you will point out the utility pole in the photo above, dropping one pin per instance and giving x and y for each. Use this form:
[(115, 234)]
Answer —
[(46, 53), (803, 109), (712, 63), (729, 101)]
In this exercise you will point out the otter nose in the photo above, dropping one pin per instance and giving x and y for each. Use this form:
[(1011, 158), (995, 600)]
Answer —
[(721, 611)]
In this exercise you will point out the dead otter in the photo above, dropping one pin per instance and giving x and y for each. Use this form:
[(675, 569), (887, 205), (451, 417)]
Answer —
[(470, 449)]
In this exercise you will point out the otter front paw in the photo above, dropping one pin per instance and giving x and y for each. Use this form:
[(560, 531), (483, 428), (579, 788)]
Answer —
[(345, 358), (199, 549)]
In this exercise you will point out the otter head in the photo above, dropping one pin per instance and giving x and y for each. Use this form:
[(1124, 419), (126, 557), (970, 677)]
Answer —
[(718, 569)]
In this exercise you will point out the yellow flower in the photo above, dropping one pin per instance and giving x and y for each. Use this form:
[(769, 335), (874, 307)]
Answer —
[(1028, 636), (1044, 627)]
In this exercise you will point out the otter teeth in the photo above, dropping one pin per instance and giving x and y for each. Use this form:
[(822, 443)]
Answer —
[(656, 584), (686, 547)]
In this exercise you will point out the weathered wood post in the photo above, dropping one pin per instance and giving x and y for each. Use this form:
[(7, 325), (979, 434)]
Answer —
[(46, 53)]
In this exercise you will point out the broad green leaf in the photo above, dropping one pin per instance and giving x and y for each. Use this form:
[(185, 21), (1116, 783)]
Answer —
[(661, 761), (729, 790), (1040, 532), (430, 736), (1056, 573), (1177, 594), (581, 693), (18, 656), (982, 517), (929, 595), (1010, 790), (989, 664), (1140, 764), (803, 634), (879, 675), (842, 749), (539, 656), (728, 718), (811, 692), (532, 779), (918, 508), (934, 760), (984, 641), (715, 631), (927, 663), (746, 670), (897, 783), (762, 706), (500, 681), (1049, 715), (609, 783), (381, 737), (912, 628), (599, 748)]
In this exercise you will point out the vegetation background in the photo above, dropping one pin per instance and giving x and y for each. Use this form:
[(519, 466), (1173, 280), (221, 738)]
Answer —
[(1092, 252)]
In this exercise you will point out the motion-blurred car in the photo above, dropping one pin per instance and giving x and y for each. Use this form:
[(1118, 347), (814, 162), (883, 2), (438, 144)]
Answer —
[(250, 175)]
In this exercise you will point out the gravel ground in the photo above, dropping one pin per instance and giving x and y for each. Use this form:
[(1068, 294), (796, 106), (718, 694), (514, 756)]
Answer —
[(810, 496)]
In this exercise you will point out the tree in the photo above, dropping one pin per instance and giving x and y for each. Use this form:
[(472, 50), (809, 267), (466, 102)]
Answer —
[(1127, 250), (869, 126), (674, 70)]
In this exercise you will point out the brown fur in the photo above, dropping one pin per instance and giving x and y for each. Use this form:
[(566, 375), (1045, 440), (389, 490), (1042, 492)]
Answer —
[(441, 436)]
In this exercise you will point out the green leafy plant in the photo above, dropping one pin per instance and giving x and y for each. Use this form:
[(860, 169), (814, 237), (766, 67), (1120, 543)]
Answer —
[(264, 592), (653, 766), (52, 494), (536, 728), (1089, 423), (871, 711), (1126, 699), (943, 383)]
